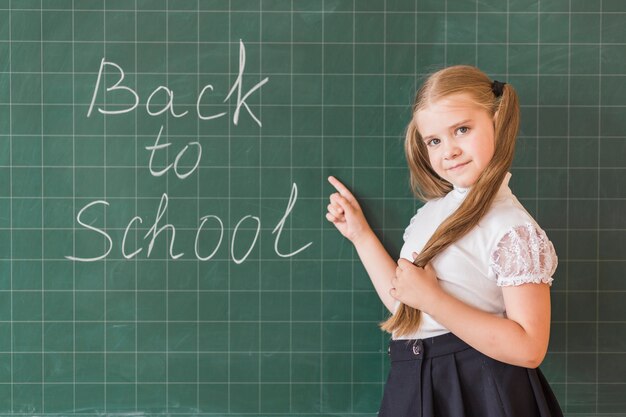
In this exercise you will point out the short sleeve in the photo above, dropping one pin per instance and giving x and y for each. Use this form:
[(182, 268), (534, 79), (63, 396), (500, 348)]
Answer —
[(524, 255)]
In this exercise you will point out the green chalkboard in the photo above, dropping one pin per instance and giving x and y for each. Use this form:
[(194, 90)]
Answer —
[(163, 164)]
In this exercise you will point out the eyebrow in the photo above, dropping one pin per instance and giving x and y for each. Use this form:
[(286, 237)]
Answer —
[(454, 126)]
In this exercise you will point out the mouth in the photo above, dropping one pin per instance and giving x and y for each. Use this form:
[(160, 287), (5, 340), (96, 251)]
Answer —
[(458, 166)]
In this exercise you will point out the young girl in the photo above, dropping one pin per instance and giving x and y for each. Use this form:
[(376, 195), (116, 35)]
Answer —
[(470, 295)]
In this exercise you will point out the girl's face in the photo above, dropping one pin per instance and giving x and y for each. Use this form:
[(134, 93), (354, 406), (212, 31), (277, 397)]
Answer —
[(459, 136)]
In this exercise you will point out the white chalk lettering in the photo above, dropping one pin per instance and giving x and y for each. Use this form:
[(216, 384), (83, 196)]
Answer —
[(215, 116), (232, 245), (180, 155), (237, 87), (241, 101), (169, 105), (95, 229), (158, 146), (124, 238), (157, 229), (153, 230), (279, 227), (116, 86), (204, 220)]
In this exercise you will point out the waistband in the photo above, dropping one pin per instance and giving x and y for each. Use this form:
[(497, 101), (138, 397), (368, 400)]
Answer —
[(413, 349)]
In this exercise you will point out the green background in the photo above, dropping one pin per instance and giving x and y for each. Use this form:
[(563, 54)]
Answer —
[(272, 335)]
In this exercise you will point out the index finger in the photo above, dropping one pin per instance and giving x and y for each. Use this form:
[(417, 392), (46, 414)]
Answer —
[(343, 190)]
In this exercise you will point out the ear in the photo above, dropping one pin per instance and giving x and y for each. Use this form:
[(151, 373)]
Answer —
[(495, 118)]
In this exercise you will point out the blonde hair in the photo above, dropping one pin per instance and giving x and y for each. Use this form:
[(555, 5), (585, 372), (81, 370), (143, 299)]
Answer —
[(427, 185)]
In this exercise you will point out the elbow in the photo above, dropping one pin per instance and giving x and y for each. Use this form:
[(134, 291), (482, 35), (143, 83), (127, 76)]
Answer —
[(533, 363), (535, 357)]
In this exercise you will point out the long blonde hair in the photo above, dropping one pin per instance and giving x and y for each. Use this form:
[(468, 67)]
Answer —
[(427, 185)]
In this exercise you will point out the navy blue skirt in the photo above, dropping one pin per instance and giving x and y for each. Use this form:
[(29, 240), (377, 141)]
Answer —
[(445, 377)]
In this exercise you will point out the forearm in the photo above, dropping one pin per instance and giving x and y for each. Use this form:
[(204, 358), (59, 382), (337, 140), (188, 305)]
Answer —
[(499, 338), (379, 266)]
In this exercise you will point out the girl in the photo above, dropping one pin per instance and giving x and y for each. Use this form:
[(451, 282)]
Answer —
[(469, 297)]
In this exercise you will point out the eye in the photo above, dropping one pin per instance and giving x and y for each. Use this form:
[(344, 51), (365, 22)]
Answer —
[(463, 130), (432, 142)]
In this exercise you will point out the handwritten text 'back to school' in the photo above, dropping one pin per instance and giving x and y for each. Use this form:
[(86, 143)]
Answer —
[(157, 228)]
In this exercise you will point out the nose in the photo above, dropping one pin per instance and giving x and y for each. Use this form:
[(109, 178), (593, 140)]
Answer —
[(451, 149)]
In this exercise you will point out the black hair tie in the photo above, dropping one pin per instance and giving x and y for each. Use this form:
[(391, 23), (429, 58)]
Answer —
[(497, 87)]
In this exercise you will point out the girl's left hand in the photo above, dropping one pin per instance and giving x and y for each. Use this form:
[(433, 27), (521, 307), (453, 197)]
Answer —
[(414, 286)]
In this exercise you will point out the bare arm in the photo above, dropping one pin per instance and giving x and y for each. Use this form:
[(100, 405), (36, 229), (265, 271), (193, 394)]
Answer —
[(519, 339), (346, 214)]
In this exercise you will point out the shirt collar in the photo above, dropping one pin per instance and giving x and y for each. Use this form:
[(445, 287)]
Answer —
[(461, 192)]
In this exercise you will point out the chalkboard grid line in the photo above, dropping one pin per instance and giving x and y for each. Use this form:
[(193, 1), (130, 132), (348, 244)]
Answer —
[(308, 136), (197, 215), (291, 66), (476, 63), (382, 308), (43, 254), (597, 312), (167, 264), (391, 43), (313, 106), (110, 383), (445, 33), (210, 321), (352, 174), (416, 86), (229, 392), (104, 119), (156, 199), (269, 352), (260, 312), (136, 234), (73, 207), (329, 291), (313, 12), (322, 272), (228, 260), (567, 211), (553, 73), (537, 109), (11, 198), (609, 168), (339, 12), (343, 73)]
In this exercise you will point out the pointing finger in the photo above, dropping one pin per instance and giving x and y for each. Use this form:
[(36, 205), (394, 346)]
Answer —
[(343, 190)]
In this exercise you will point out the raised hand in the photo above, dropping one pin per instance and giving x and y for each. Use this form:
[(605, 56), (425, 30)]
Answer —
[(345, 213)]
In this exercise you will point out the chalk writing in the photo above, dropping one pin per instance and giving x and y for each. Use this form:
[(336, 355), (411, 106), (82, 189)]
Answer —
[(135, 99), (158, 146), (157, 228)]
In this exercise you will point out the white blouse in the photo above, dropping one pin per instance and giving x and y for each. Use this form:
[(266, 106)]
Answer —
[(507, 247)]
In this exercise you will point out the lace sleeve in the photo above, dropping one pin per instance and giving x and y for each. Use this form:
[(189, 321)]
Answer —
[(524, 255)]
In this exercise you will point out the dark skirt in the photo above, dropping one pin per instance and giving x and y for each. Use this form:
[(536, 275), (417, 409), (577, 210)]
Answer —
[(445, 377)]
